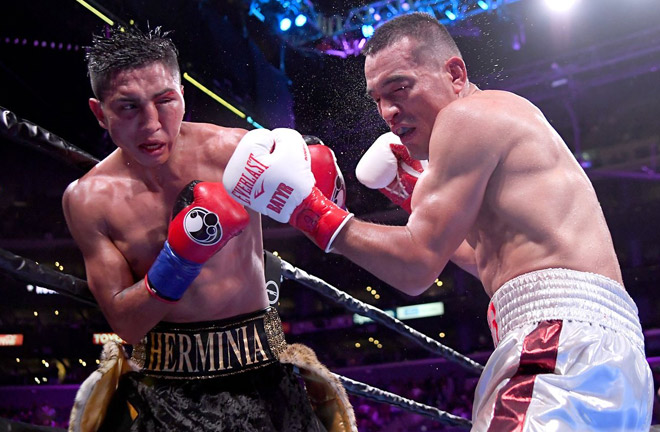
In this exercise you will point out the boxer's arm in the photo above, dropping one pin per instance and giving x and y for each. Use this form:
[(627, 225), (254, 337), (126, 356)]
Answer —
[(445, 204), (464, 257), (388, 166), (127, 306)]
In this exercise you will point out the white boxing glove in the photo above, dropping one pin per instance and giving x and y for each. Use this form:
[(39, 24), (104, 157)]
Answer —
[(388, 167), (262, 156), (270, 172)]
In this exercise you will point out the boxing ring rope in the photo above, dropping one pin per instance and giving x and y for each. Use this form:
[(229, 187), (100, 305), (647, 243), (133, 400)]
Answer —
[(372, 393), (29, 271), (27, 133), (26, 270), (364, 309)]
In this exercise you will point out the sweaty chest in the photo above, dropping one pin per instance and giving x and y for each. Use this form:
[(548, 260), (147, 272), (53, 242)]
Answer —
[(138, 227)]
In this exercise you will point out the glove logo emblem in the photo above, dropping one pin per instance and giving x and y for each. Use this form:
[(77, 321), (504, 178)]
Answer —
[(251, 172), (202, 226), (260, 191)]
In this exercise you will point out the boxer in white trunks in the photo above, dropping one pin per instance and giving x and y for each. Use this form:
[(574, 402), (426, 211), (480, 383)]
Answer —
[(501, 196)]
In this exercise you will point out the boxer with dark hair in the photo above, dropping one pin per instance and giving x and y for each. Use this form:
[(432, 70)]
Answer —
[(176, 265), (490, 185)]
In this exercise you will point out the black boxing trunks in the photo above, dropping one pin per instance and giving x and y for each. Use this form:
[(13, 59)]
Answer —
[(211, 376)]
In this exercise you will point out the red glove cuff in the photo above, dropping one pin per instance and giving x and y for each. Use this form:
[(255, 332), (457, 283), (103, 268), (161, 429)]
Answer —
[(319, 218), (400, 198)]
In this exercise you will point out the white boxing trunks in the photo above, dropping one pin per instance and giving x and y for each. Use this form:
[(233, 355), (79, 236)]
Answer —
[(569, 356)]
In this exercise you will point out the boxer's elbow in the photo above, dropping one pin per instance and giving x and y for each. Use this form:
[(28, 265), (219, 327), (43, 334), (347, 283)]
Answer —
[(128, 330), (418, 275), (128, 335)]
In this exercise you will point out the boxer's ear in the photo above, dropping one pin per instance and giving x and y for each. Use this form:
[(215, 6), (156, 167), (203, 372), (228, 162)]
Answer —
[(97, 109), (455, 67)]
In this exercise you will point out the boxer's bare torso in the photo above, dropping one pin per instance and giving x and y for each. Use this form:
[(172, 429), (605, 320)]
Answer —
[(119, 212), (502, 195)]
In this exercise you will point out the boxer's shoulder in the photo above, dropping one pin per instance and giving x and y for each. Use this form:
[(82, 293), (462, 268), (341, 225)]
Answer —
[(216, 142), (211, 133)]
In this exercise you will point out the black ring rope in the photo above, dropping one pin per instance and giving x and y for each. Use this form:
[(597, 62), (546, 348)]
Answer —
[(366, 391), (364, 309), (27, 133), (29, 271)]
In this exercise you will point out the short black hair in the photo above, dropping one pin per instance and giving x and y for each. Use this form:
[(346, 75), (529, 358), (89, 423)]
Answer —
[(125, 49), (419, 26)]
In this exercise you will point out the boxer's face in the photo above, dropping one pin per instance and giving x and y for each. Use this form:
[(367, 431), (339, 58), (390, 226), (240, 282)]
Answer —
[(142, 111), (409, 91)]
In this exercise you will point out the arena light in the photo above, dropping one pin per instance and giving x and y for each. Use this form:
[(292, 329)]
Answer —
[(483, 5), (451, 15), (301, 20), (560, 5), (367, 30), (254, 10), (96, 12), (285, 24)]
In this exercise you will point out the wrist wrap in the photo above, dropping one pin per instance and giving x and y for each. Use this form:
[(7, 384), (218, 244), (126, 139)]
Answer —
[(170, 275)]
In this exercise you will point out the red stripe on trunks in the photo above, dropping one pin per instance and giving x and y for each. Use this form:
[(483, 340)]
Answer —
[(538, 356)]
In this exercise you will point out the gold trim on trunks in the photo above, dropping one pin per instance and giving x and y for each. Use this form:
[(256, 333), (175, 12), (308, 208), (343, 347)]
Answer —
[(211, 349)]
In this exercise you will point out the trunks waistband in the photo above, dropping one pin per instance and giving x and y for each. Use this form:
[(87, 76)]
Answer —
[(567, 295), (211, 349)]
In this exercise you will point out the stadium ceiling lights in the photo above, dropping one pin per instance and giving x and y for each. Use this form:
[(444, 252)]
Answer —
[(341, 31)]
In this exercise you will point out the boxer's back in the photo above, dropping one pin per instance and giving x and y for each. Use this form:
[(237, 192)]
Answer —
[(540, 209)]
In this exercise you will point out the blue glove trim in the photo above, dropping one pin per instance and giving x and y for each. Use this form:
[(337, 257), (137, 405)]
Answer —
[(170, 275)]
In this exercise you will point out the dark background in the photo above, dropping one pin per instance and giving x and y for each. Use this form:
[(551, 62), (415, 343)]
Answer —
[(593, 72)]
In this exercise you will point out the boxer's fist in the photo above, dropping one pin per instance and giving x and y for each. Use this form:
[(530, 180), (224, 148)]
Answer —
[(270, 172), (204, 219), (388, 167), (327, 174)]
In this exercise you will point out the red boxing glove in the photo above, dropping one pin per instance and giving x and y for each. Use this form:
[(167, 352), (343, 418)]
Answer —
[(327, 174), (204, 219), (388, 167)]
